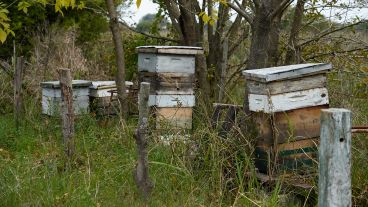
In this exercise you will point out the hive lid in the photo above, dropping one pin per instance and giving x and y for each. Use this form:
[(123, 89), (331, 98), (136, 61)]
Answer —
[(75, 84), (180, 50), (286, 72), (106, 84)]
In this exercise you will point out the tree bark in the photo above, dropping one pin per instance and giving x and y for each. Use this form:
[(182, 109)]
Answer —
[(261, 29), (67, 111), (18, 90), (119, 55), (293, 50), (265, 33)]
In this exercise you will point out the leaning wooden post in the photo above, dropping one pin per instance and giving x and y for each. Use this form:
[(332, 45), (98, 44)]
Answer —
[(335, 158), (141, 173), (67, 111), (18, 90)]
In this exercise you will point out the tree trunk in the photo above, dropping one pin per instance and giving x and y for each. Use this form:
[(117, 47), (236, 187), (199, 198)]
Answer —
[(261, 29), (188, 23), (293, 50), (119, 53)]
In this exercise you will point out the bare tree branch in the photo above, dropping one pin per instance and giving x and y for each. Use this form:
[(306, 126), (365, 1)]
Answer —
[(335, 52), (243, 13), (323, 34), (284, 4)]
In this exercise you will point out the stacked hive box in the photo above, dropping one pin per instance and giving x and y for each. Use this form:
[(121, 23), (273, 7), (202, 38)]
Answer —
[(170, 71), (287, 101), (51, 97), (103, 97)]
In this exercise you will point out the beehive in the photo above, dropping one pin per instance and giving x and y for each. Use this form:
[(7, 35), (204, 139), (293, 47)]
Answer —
[(287, 102), (51, 97), (103, 97), (170, 71)]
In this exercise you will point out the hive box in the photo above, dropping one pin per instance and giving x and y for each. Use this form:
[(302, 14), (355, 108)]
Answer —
[(103, 97), (286, 102), (51, 97), (170, 72), (286, 88)]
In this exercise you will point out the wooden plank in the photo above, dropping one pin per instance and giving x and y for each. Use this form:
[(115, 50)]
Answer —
[(172, 100), (294, 156), (52, 105), (286, 86), (183, 50), (289, 126), (288, 101), (75, 84), (174, 117), (56, 92), (334, 183), (286, 72), (173, 64), (161, 63)]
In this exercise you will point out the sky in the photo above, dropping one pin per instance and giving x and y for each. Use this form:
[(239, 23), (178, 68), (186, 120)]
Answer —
[(147, 6)]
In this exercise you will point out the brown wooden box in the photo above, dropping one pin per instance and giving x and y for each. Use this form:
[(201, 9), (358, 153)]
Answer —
[(299, 155), (173, 118), (168, 83), (283, 127)]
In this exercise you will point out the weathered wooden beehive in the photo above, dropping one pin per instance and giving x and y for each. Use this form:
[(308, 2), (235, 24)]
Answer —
[(51, 97), (287, 102), (170, 71), (103, 97)]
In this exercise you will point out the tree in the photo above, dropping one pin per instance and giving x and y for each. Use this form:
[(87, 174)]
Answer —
[(119, 53)]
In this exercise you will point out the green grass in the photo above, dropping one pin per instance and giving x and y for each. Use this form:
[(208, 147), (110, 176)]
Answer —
[(216, 172), (35, 172)]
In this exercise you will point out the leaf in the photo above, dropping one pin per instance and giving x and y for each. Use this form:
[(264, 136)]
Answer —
[(81, 5), (23, 6), (138, 3), (2, 36)]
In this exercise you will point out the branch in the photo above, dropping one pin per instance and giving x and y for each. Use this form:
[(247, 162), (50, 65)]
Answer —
[(148, 35), (284, 4), (336, 52), (243, 13), (331, 31)]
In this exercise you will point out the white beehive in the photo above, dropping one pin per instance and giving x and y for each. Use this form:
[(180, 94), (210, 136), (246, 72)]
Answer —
[(170, 71), (51, 97), (286, 88)]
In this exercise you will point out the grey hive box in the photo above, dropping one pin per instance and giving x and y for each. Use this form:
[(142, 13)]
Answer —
[(286, 88), (170, 71), (51, 97), (286, 102), (103, 97)]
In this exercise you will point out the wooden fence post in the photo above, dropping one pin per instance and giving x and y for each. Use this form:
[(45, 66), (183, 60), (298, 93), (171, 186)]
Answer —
[(141, 173), (335, 158), (67, 111), (18, 76)]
